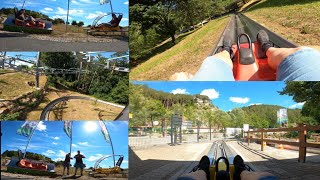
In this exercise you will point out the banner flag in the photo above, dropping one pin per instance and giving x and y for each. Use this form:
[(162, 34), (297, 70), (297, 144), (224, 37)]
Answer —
[(27, 128), (67, 128), (104, 131)]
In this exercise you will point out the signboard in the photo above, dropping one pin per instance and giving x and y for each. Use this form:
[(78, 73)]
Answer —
[(177, 119), (282, 116), (245, 127)]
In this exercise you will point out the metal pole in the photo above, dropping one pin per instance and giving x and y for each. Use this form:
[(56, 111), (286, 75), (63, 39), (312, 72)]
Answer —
[(70, 138), (111, 7), (37, 70), (67, 15), (23, 4), (171, 134), (25, 151), (114, 161)]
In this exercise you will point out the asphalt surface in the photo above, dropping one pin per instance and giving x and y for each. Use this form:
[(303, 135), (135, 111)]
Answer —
[(15, 43)]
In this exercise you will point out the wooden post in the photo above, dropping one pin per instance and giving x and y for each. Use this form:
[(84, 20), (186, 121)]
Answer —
[(262, 138), (302, 143), (248, 138)]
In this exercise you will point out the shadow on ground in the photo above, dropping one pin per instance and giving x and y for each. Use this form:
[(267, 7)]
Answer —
[(164, 169)]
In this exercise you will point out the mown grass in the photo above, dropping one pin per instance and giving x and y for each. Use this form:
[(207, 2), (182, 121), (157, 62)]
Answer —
[(185, 56), (296, 20), (15, 84)]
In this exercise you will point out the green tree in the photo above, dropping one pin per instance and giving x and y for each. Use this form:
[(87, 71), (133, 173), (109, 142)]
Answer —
[(307, 93)]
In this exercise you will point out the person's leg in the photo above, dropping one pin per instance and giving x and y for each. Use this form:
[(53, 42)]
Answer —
[(248, 175), (295, 64), (68, 168), (291, 64), (64, 168), (197, 175), (75, 172), (219, 66), (277, 55), (81, 170)]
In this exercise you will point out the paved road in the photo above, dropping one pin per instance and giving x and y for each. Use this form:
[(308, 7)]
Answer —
[(28, 44)]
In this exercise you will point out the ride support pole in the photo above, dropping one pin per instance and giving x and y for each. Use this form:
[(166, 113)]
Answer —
[(180, 135), (248, 138), (302, 143), (171, 133), (262, 138), (37, 70)]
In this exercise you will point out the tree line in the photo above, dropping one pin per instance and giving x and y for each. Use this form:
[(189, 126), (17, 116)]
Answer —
[(148, 105), (98, 80), (151, 22)]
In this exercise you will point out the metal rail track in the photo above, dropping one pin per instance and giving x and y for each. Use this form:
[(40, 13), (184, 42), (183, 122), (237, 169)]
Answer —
[(239, 23), (46, 111)]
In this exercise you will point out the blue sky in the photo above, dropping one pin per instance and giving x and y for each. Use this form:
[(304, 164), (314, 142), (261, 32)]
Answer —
[(230, 95), (49, 139), (32, 55), (80, 10)]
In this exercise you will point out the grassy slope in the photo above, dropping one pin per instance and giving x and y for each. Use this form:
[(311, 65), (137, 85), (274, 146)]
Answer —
[(185, 56), (15, 84), (296, 20), (74, 109)]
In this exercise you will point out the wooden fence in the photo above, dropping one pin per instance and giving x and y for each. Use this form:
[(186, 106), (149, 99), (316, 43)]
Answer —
[(302, 144)]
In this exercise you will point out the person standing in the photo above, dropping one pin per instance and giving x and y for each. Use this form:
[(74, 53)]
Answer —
[(66, 163), (79, 163)]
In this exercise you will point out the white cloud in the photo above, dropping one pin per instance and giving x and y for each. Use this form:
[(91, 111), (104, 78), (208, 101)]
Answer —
[(54, 143), (252, 104), (75, 2), (55, 138), (180, 91), (61, 17), (211, 93), (61, 154), (239, 100), (48, 9), (74, 145), (74, 12), (94, 158), (126, 3), (125, 19), (58, 159), (297, 105), (50, 151), (83, 143), (94, 15), (41, 126), (125, 162)]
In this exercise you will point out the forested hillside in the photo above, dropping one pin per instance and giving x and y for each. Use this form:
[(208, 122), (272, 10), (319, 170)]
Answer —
[(98, 81), (148, 105)]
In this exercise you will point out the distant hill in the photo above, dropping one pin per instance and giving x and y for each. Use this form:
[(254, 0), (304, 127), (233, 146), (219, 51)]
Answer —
[(35, 14), (29, 155), (260, 113)]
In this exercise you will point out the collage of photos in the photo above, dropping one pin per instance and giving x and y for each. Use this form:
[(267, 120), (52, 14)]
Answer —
[(160, 89)]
